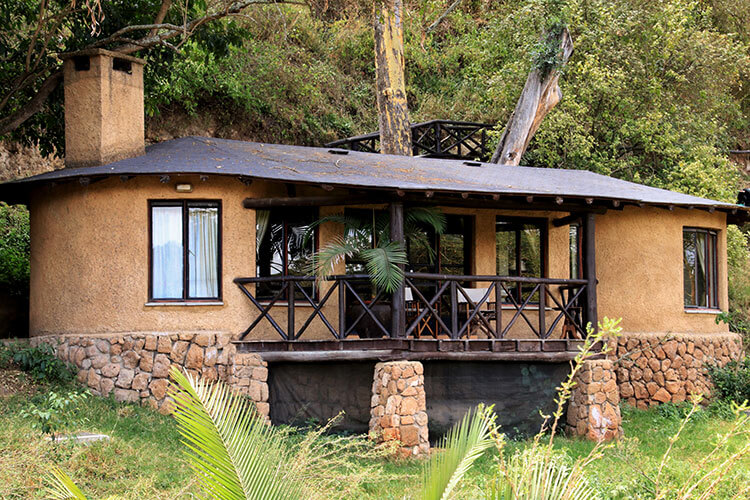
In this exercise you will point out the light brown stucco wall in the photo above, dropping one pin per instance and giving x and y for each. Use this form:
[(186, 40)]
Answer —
[(103, 111), (89, 262), (639, 267), (89, 258)]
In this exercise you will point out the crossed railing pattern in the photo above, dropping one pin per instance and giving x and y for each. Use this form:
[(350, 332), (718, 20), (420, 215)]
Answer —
[(433, 139), (437, 303), (487, 312)]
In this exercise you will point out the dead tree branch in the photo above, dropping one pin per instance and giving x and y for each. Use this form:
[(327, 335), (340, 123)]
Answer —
[(445, 14), (540, 94), (36, 103)]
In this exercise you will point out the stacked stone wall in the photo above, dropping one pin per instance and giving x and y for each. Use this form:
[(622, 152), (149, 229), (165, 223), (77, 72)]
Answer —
[(398, 406), (135, 367), (594, 408), (249, 377), (658, 368)]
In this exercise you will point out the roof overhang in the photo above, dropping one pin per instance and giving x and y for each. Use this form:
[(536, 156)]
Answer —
[(415, 180)]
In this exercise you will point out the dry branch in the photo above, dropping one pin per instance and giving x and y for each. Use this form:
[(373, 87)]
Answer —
[(540, 94), (445, 14)]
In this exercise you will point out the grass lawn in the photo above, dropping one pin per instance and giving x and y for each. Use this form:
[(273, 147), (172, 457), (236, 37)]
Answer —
[(143, 458)]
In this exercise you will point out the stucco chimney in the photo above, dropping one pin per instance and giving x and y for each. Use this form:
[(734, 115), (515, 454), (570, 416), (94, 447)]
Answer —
[(103, 107)]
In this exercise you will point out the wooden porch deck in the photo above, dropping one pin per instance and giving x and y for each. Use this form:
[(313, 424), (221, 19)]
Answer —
[(387, 349)]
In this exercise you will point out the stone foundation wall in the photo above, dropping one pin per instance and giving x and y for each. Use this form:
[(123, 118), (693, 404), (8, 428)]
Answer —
[(398, 406), (249, 377), (653, 368), (135, 367), (594, 408)]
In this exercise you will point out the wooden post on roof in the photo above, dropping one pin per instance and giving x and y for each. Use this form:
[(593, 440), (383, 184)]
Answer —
[(398, 312), (393, 114), (589, 268)]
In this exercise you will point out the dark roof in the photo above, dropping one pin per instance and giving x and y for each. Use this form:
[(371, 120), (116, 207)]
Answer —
[(299, 164)]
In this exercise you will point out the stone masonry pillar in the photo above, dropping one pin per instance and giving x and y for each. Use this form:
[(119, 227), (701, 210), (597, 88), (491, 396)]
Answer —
[(398, 406), (249, 377), (594, 408)]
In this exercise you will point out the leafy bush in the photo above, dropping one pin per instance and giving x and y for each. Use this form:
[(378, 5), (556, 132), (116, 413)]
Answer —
[(733, 380), (14, 248), (39, 361), (678, 411), (54, 411)]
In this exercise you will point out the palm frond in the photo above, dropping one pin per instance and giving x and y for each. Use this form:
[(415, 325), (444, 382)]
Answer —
[(324, 261), (426, 216), (382, 265), (538, 474), (350, 223), (464, 443), (232, 451), (420, 241), (61, 487)]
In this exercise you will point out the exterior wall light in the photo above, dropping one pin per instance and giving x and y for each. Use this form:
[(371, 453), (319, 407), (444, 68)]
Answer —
[(184, 188)]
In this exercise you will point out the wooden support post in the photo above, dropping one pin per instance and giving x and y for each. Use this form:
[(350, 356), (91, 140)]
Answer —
[(398, 311), (542, 311), (454, 310), (589, 267), (342, 309), (498, 310), (290, 332)]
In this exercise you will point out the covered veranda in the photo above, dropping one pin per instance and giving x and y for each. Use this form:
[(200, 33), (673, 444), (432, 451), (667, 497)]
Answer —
[(447, 313)]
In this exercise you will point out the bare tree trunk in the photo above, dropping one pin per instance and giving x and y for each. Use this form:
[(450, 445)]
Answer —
[(393, 114), (13, 121), (540, 94)]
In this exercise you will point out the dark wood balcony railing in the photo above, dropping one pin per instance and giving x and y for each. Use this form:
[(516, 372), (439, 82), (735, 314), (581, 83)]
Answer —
[(440, 306), (433, 139)]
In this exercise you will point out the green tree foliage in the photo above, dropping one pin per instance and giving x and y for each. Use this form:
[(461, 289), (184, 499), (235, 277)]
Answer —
[(650, 93), (291, 79), (30, 45), (14, 249)]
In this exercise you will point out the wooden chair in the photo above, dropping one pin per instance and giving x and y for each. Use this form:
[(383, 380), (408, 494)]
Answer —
[(413, 309), (476, 295)]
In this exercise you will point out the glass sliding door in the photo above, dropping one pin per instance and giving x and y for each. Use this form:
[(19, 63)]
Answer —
[(520, 246)]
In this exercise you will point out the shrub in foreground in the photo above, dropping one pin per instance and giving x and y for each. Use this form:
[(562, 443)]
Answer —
[(38, 361), (732, 381)]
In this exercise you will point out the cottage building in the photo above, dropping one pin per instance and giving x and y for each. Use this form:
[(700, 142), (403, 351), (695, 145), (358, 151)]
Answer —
[(195, 251)]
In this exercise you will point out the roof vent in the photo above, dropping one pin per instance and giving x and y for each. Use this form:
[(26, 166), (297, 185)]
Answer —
[(81, 63), (473, 163), (339, 151)]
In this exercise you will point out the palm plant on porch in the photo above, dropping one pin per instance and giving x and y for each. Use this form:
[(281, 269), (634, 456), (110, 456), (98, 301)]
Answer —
[(366, 240)]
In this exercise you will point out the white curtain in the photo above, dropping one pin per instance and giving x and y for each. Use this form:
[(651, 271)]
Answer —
[(700, 268), (167, 252), (203, 239)]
